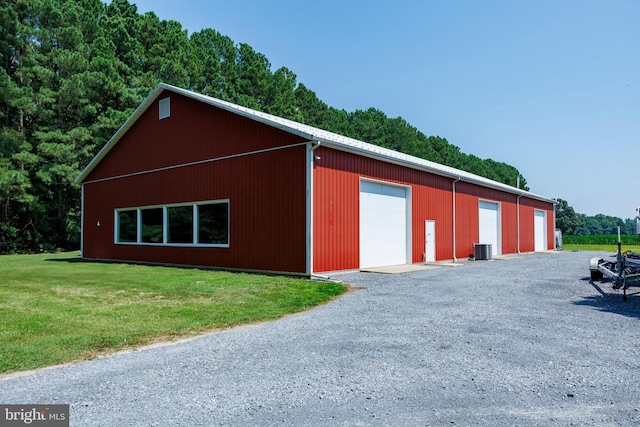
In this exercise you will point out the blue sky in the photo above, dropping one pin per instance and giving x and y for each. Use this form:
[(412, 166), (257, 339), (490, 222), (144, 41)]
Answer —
[(549, 86)]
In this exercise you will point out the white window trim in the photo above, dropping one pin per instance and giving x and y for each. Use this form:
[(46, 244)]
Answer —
[(196, 228), (165, 225), (139, 225), (116, 225)]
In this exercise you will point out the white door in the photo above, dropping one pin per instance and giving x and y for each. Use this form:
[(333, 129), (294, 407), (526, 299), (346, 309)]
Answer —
[(539, 230), (489, 225), (383, 224), (430, 241)]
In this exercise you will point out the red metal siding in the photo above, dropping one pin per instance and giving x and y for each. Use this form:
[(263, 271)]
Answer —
[(195, 131), (467, 218), (527, 207), (527, 235), (336, 207), (467, 210), (336, 211), (266, 191)]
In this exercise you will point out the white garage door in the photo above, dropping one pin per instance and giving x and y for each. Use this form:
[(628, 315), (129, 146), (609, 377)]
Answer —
[(489, 223), (383, 225), (539, 227)]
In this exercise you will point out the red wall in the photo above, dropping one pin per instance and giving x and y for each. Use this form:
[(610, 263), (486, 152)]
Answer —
[(266, 191), (194, 132), (336, 211)]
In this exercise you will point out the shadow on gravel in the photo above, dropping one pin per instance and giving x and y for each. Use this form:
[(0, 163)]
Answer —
[(613, 303)]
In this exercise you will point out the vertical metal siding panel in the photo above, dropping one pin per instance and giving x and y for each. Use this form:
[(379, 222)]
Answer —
[(467, 231), (527, 235), (551, 228), (98, 240), (509, 224), (551, 225), (420, 213), (336, 207)]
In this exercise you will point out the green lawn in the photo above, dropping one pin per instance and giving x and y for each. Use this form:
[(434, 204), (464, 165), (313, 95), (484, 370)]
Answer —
[(55, 308), (604, 248)]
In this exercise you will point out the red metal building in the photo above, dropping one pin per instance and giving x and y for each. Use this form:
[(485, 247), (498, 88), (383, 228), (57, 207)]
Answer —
[(193, 180)]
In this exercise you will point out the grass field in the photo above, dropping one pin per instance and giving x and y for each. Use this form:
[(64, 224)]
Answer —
[(602, 239), (604, 248), (55, 308)]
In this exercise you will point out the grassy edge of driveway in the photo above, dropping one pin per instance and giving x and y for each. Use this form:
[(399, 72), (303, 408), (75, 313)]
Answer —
[(599, 248), (54, 309)]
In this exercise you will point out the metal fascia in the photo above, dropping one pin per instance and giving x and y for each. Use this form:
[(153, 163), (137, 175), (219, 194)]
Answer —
[(453, 198), (518, 220), (312, 145), (82, 220), (444, 171)]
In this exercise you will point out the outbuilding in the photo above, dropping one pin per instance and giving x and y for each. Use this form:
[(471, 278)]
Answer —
[(193, 180)]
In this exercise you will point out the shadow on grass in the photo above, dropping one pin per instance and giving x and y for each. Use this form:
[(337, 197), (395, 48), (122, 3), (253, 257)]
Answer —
[(78, 260), (75, 259), (611, 302), (70, 259)]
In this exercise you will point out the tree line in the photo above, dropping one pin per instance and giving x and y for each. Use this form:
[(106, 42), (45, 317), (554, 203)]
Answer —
[(572, 223), (74, 70)]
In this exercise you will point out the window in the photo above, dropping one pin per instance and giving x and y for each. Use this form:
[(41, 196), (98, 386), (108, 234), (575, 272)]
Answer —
[(151, 225), (213, 224), (127, 229), (193, 224), (180, 224), (164, 108)]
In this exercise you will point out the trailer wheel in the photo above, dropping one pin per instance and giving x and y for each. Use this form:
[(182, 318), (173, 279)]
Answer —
[(596, 275)]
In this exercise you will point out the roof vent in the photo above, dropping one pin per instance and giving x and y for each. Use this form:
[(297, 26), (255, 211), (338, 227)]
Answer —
[(164, 107)]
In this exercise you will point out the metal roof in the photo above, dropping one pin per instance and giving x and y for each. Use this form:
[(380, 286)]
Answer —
[(309, 133)]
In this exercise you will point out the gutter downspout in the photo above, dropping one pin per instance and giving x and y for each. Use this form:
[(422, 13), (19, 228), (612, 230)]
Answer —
[(453, 190), (311, 158), (82, 221), (555, 248), (518, 220)]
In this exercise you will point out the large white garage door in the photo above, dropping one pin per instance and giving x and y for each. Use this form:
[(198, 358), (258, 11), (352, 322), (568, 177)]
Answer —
[(383, 224), (489, 223), (539, 227)]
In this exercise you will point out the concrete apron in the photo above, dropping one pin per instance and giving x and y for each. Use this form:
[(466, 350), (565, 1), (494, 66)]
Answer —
[(396, 269)]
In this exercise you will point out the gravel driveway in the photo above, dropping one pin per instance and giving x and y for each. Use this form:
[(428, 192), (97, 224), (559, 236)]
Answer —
[(527, 340)]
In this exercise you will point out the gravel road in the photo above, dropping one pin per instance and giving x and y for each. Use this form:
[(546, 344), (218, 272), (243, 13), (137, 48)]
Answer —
[(524, 341)]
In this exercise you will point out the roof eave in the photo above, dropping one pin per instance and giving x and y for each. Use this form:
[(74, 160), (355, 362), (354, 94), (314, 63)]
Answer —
[(461, 176), (120, 132)]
